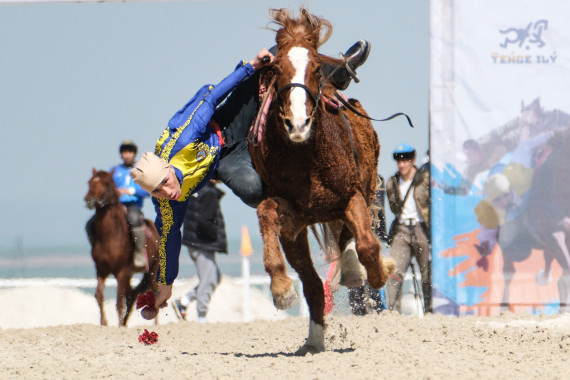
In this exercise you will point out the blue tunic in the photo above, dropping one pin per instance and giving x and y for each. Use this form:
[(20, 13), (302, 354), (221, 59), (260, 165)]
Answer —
[(192, 146), (123, 179)]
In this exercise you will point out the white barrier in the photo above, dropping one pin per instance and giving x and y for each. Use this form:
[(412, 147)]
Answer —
[(246, 280)]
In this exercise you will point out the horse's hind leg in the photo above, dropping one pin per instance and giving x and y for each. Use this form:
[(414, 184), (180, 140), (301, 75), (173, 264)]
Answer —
[(561, 250), (99, 296), (133, 293), (359, 222), (508, 273), (282, 288)]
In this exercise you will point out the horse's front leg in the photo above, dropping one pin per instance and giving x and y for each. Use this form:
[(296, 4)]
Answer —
[(358, 220), (282, 287), (99, 296), (299, 257)]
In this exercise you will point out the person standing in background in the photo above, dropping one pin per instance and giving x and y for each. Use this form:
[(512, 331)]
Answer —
[(204, 234), (409, 198)]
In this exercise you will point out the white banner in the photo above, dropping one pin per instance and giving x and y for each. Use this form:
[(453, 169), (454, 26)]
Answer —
[(499, 112)]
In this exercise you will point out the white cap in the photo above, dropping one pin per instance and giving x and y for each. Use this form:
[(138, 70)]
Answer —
[(150, 171)]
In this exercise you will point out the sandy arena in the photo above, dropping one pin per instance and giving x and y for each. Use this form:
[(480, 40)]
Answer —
[(371, 347)]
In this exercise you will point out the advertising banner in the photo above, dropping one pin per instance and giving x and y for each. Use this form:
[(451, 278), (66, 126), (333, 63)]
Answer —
[(500, 156)]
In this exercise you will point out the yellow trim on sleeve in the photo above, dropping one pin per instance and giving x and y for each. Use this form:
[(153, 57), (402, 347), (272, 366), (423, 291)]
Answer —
[(167, 222)]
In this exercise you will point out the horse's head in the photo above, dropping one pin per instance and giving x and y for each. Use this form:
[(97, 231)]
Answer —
[(102, 190), (299, 78), (530, 120)]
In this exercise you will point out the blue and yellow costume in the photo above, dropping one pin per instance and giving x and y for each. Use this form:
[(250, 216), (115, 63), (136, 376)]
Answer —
[(191, 144)]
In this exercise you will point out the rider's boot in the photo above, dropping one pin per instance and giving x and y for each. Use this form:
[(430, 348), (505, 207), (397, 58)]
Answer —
[(139, 260), (354, 57)]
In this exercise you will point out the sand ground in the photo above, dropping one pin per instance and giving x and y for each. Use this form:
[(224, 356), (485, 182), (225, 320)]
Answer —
[(370, 347)]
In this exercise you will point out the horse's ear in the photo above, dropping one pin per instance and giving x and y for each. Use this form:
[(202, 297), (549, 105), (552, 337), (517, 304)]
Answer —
[(94, 171), (112, 171), (522, 105)]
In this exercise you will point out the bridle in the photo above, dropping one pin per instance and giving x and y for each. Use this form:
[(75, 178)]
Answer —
[(104, 201), (314, 98)]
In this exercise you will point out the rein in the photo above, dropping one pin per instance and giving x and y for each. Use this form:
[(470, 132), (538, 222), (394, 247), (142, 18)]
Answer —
[(354, 110)]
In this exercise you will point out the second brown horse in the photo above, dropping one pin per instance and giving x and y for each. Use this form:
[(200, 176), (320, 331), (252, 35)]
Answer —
[(112, 249)]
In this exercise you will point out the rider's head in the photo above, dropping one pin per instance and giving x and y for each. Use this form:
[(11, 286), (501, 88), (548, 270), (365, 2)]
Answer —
[(156, 176), (128, 151), (405, 156)]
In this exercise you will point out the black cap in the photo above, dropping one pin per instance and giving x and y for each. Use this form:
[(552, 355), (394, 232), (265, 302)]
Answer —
[(129, 146)]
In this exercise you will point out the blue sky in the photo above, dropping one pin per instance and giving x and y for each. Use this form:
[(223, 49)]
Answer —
[(77, 79)]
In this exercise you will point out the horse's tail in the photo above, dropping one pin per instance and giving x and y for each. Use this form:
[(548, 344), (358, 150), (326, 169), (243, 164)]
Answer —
[(327, 236)]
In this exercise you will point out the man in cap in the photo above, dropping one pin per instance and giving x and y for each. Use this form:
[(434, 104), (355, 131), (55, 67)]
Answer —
[(131, 195), (409, 198), (207, 139)]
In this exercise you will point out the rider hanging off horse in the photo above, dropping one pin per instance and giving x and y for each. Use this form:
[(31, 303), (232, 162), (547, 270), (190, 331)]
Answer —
[(132, 197), (208, 139)]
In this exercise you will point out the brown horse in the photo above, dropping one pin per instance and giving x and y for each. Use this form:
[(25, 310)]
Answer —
[(320, 166), (112, 248)]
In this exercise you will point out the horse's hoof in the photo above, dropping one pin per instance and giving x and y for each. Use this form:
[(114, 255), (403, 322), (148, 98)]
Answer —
[(351, 279), (286, 301), (308, 349), (352, 273), (378, 276)]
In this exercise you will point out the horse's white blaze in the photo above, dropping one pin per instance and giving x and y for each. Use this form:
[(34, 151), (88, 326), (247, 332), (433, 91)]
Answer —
[(299, 58), (316, 336)]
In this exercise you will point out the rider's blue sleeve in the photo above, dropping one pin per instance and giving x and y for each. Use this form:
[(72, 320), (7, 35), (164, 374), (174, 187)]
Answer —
[(218, 92)]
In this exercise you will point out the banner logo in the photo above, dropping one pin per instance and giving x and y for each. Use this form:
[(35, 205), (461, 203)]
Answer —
[(532, 34), (521, 42)]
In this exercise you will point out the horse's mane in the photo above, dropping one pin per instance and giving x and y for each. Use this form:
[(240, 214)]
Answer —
[(306, 27)]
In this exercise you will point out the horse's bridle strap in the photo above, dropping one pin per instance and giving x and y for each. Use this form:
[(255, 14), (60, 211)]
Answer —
[(350, 107), (314, 98), (307, 89)]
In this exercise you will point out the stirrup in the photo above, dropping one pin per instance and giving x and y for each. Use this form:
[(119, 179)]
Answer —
[(351, 72), (361, 47)]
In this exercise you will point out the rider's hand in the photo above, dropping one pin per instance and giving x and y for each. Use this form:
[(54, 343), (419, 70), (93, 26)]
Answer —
[(164, 293), (257, 62), (124, 190)]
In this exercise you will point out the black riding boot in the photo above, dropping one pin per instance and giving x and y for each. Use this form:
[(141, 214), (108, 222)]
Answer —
[(354, 57), (139, 260)]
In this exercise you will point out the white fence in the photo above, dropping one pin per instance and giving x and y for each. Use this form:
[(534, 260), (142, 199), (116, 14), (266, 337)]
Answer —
[(411, 302), (246, 280)]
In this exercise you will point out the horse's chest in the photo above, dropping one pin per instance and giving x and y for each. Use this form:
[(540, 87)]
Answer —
[(313, 191)]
